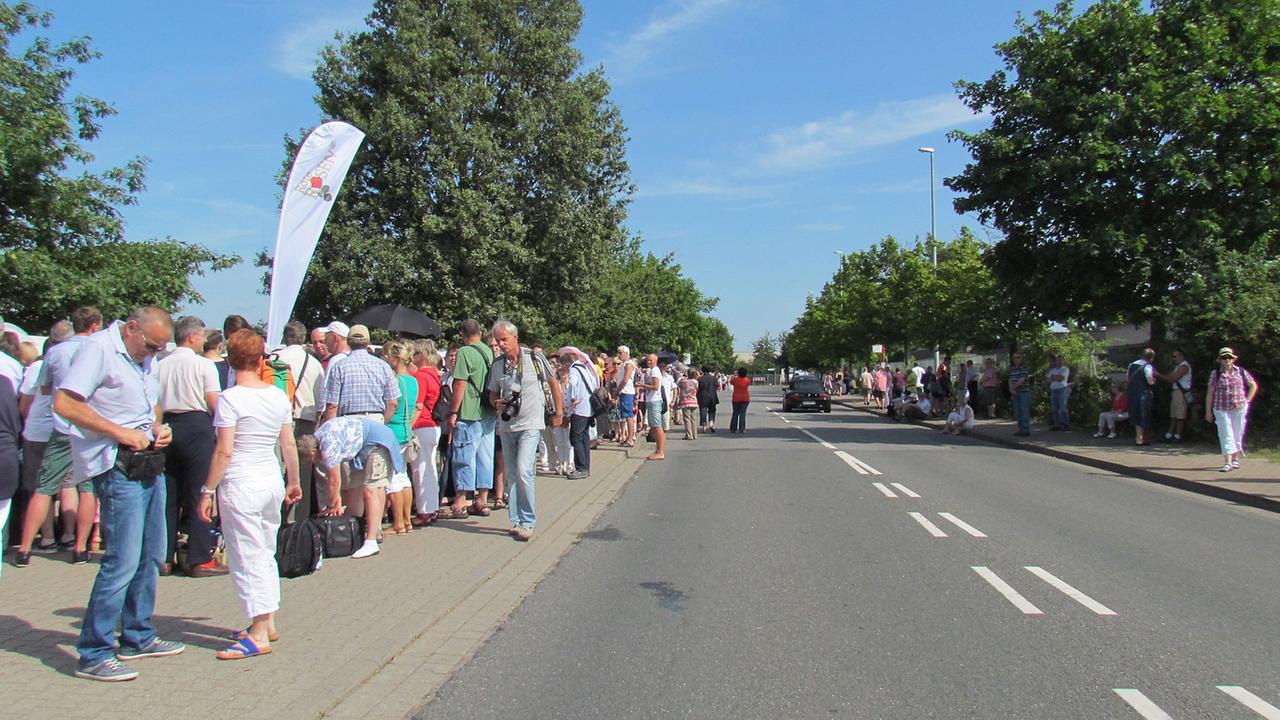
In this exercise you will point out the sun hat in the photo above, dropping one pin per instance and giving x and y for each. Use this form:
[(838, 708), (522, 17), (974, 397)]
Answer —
[(1227, 352)]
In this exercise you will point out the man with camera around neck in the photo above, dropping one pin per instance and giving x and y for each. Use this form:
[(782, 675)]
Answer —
[(111, 400), (518, 385)]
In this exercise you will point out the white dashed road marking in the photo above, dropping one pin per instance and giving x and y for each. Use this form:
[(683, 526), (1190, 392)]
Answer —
[(887, 492), (905, 490), (1008, 592), (1251, 701), (851, 462), (934, 530), (962, 525), (1070, 592), (1142, 704)]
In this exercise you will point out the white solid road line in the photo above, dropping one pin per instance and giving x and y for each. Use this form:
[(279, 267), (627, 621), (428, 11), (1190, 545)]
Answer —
[(934, 530), (1008, 592), (1070, 592), (887, 492), (851, 461), (1251, 701), (1142, 704), (905, 490), (962, 524)]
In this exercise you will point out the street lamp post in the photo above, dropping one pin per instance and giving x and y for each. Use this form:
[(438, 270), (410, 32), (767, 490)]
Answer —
[(933, 232)]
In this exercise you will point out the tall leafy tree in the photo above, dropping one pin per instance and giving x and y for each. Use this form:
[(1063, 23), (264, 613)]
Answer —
[(492, 181), (62, 239), (1129, 149)]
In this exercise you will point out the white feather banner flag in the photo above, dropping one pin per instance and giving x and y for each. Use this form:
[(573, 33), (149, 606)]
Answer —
[(314, 181)]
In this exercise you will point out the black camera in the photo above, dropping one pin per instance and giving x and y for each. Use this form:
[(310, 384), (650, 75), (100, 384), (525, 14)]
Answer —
[(512, 407)]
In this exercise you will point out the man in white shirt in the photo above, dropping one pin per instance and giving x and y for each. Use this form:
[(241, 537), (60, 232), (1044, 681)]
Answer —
[(652, 385), (188, 398), (10, 367), (1059, 377), (308, 373), (1180, 378), (37, 411)]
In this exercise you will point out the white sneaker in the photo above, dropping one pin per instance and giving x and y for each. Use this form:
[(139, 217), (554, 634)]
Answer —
[(1098, 434), (1111, 436), (1235, 464), (368, 549), (1225, 468)]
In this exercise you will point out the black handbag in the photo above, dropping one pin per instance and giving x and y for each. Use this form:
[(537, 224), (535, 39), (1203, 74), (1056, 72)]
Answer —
[(299, 549), (140, 465), (340, 535)]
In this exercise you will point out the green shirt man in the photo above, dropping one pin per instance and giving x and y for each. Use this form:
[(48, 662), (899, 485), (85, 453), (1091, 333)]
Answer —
[(472, 366)]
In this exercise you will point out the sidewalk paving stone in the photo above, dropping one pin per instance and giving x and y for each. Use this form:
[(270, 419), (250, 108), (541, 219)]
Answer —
[(360, 638)]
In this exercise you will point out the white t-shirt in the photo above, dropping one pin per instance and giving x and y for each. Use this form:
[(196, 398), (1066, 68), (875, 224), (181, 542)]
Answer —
[(669, 385), (1064, 371), (257, 414), (962, 416), (650, 376), (11, 370), (185, 379), (39, 424), (629, 387)]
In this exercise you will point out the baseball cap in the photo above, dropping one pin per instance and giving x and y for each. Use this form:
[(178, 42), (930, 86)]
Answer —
[(338, 327), (1227, 352), (359, 333)]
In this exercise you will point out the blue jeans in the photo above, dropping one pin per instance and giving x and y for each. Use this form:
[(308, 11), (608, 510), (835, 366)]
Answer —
[(521, 450), (1059, 414), (738, 421), (1022, 410), (124, 592), (472, 453)]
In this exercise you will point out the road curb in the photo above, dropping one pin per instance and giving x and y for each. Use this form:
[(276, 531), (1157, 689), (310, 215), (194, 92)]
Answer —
[(1221, 493)]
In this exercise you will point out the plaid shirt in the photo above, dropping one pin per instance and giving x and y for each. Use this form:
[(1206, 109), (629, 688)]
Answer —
[(1229, 391), (361, 383)]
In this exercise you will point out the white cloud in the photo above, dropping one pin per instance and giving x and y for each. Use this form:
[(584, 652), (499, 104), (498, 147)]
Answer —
[(820, 227), (299, 47), (706, 188), (633, 52), (824, 141)]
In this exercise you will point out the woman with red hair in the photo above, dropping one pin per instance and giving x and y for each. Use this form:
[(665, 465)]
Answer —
[(252, 419)]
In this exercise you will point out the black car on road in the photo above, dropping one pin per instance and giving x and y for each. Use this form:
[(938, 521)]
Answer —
[(806, 393)]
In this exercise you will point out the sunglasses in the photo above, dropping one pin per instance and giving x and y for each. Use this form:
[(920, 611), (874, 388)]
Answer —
[(152, 347)]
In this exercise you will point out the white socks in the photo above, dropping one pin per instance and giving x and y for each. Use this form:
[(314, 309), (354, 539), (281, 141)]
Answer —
[(368, 549)]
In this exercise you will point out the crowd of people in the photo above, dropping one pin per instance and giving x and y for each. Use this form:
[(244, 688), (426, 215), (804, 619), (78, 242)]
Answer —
[(917, 393), (173, 448)]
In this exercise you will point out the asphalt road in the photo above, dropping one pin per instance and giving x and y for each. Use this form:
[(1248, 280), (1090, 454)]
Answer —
[(768, 576)]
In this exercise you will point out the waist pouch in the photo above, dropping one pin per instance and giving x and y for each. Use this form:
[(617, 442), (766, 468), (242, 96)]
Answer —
[(140, 464)]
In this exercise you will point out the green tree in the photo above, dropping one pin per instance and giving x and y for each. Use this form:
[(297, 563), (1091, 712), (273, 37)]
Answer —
[(764, 354), (492, 181), (61, 232), (1129, 149)]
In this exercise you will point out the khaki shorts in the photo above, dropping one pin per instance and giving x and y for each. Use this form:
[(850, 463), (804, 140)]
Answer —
[(376, 472), (1178, 405)]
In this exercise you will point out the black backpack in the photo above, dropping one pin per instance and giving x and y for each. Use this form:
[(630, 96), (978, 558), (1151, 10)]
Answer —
[(444, 404), (299, 549), (341, 535)]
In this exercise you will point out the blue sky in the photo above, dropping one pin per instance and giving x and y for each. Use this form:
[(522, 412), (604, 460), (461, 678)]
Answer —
[(765, 135)]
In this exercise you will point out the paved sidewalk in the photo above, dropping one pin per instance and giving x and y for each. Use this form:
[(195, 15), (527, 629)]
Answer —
[(368, 638), (1186, 466)]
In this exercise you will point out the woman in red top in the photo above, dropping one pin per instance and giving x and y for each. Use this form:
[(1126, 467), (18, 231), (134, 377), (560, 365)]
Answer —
[(741, 398), (426, 474)]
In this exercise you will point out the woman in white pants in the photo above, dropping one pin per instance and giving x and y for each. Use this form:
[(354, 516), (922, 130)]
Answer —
[(1226, 403), (426, 475), (252, 419)]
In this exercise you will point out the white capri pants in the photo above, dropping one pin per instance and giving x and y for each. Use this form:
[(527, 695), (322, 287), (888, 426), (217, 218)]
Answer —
[(426, 476), (250, 511), (564, 452), (1230, 430)]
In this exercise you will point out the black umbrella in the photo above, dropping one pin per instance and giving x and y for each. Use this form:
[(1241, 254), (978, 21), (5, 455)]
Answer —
[(399, 319), (667, 356)]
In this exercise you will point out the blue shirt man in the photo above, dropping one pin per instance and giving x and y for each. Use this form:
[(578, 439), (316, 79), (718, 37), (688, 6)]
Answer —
[(109, 399)]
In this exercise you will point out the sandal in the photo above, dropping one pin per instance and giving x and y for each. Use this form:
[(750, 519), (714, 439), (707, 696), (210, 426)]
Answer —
[(243, 648), (242, 634), (499, 504), (480, 510), (452, 513), (424, 519)]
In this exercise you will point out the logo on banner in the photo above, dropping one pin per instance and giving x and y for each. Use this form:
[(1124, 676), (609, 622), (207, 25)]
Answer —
[(313, 183)]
